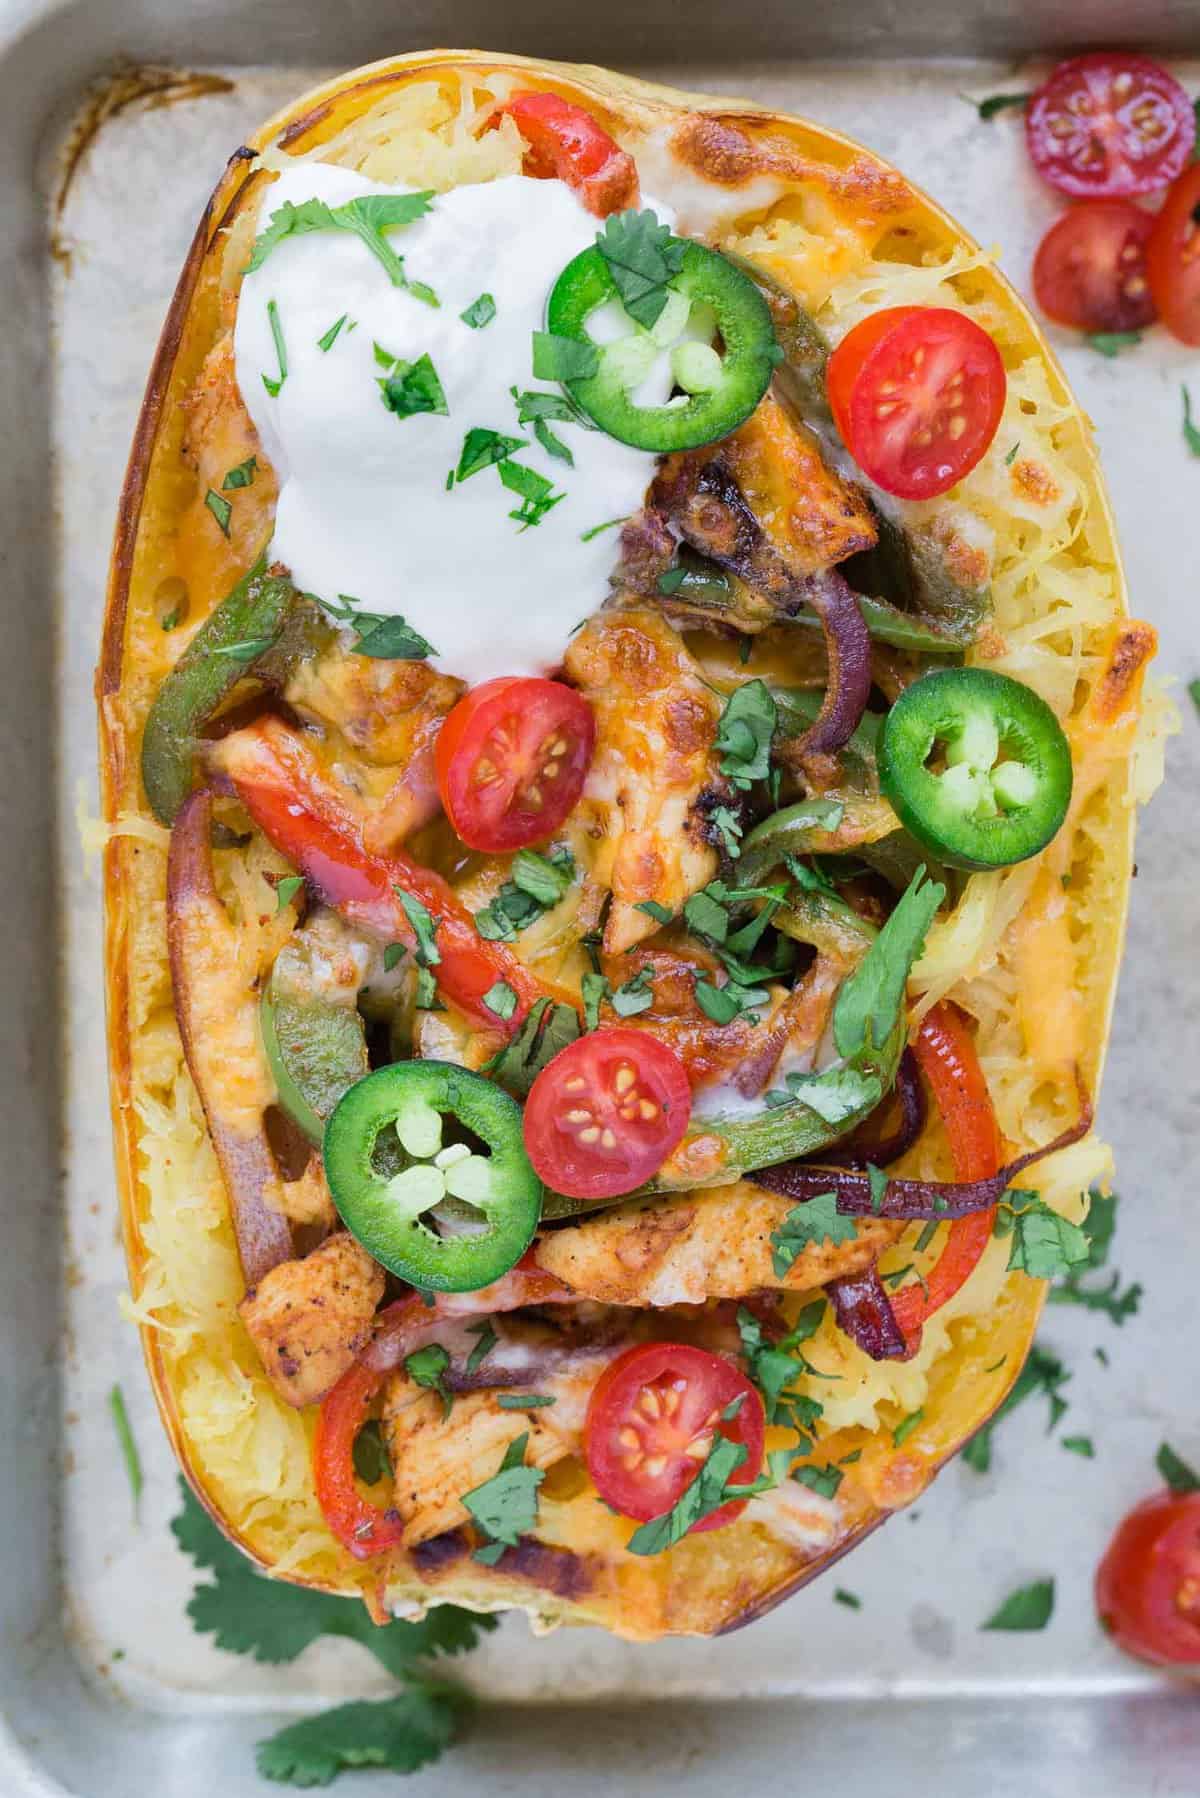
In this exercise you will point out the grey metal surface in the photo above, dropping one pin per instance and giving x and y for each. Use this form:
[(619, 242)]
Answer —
[(908, 1684)]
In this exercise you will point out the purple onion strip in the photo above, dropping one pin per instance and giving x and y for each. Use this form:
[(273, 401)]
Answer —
[(909, 1201), (864, 1311), (848, 645)]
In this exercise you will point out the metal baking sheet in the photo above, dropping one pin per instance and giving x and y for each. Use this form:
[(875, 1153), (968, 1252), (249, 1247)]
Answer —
[(106, 1687)]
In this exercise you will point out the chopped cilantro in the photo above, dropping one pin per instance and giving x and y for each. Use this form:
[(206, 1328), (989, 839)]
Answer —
[(424, 927), (368, 217), (834, 1095), (327, 340), (241, 476), (706, 1494), (816, 1221), (534, 490), (482, 448), (993, 103), (525, 1401), (608, 525), (393, 955), (369, 1454), (1179, 1476), (1012, 454), (671, 579), (536, 883), (220, 508), (1043, 1244), (775, 1367), (273, 385), (563, 358), (1028, 1608), (824, 1481), (1191, 436), (643, 257), (906, 1426), (744, 734), (546, 1029), (728, 826), (637, 994), (850, 1599), (594, 990), (286, 890), (427, 1367), (1098, 1227), (501, 1000), (505, 1507), (660, 913), (480, 312), (128, 1447), (1043, 1372), (487, 1340), (382, 635), (1079, 1445), (1111, 343), (413, 387), (871, 999)]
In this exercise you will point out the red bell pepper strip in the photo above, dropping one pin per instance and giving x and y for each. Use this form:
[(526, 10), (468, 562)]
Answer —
[(566, 142), (945, 1052), (358, 1525), (276, 777)]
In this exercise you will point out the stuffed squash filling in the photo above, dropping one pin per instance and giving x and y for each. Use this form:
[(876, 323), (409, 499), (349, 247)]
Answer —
[(623, 794)]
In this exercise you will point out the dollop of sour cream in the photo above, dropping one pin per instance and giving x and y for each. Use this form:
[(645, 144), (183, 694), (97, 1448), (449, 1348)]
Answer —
[(365, 509)]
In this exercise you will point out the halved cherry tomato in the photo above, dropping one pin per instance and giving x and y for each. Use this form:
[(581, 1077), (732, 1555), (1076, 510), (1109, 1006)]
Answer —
[(945, 1052), (917, 393), (358, 1525), (565, 141), (1173, 258), (1148, 1584), (605, 1113), (512, 758), (651, 1422), (1090, 268), (1107, 124)]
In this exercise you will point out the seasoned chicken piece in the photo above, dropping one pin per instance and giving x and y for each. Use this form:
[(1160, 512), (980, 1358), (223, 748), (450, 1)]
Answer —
[(653, 766), (218, 437), (764, 503), (703, 1245), (437, 1458), (309, 1319)]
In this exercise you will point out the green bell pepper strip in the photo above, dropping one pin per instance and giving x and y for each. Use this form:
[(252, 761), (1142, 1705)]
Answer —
[(746, 363), (801, 374), (707, 589), (976, 766), (316, 1047), (384, 1212), (243, 628), (838, 822), (908, 569), (796, 708)]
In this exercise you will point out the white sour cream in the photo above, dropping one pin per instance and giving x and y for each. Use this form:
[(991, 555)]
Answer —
[(363, 505)]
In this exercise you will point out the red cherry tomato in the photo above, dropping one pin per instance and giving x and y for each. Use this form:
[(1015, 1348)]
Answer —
[(651, 1422), (1148, 1584), (917, 393), (1108, 124), (1090, 268), (567, 142), (511, 761), (606, 1112), (1173, 258)]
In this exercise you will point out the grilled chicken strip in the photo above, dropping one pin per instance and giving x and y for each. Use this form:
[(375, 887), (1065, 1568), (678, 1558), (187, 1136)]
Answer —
[(310, 1319), (437, 1458), (654, 763), (705, 1245)]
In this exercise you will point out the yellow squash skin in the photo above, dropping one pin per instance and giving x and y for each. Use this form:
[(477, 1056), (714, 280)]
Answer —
[(836, 202)]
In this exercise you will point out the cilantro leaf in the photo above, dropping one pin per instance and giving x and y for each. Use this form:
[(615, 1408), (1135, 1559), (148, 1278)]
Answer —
[(413, 387), (501, 1000), (1111, 343), (994, 103), (241, 476), (525, 1401), (642, 257), (553, 446), (706, 1494), (424, 927), (1079, 1445), (870, 1001), (427, 1367), (906, 1426), (1028, 1608), (637, 994), (394, 640), (532, 405), (288, 220), (480, 312), (220, 508), (401, 1734), (706, 916), (661, 914), (369, 1454), (487, 1340), (824, 1481), (850, 1599), (1043, 1244), (1191, 436), (1043, 1372), (563, 358), (1098, 1227), (125, 1439), (1179, 1476), (834, 1095), (534, 490), (775, 1367), (286, 890), (594, 990), (247, 1613), (744, 734), (505, 1507), (481, 448), (368, 217), (816, 1221), (546, 1029), (728, 827), (328, 338), (273, 386)]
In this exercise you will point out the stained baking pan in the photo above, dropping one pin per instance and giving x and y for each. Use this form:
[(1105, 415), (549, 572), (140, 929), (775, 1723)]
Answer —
[(105, 1689)]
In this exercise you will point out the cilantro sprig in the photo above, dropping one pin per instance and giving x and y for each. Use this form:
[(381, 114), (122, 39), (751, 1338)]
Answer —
[(535, 885), (1116, 1301), (809, 1225), (505, 1507), (270, 1621), (643, 257), (385, 636), (369, 217)]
